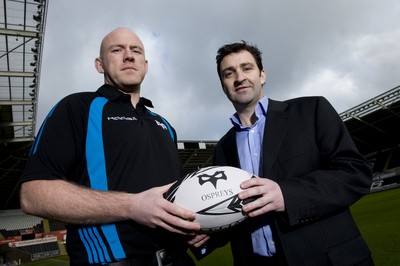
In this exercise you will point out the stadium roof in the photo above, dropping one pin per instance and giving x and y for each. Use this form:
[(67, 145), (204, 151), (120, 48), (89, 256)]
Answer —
[(21, 37), (22, 25), (372, 124)]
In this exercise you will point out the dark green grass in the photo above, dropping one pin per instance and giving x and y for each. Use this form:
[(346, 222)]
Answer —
[(377, 216), (58, 261)]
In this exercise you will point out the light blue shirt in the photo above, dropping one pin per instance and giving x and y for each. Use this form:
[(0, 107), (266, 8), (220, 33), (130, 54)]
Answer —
[(249, 146)]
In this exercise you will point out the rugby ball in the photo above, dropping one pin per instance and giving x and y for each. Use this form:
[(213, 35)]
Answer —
[(211, 192)]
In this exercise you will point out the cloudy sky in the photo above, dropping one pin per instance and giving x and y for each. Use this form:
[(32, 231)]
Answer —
[(345, 50)]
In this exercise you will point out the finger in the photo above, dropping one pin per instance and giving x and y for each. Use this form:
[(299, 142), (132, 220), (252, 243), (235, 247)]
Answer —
[(166, 187), (248, 183), (201, 242), (255, 203), (260, 211), (175, 229), (180, 212), (184, 222), (198, 240), (186, 227), (252, 192)]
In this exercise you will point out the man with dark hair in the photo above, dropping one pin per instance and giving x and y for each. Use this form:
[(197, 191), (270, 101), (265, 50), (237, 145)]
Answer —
[(309, 171)]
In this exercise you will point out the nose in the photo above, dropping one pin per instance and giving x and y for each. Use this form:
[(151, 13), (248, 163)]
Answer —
[(240, 77), (128, 55)]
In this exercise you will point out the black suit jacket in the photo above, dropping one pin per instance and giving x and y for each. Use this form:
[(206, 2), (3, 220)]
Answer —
[(308, 151)]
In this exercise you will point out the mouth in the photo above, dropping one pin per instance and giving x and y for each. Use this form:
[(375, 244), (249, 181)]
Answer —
[(128, 68), (241, 88)]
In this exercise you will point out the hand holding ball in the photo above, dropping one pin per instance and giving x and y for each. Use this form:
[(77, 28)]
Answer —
[(212, 193)]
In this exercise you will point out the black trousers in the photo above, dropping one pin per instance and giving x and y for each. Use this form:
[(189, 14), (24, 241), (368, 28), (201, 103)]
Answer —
[(182, 260), (270, 261)]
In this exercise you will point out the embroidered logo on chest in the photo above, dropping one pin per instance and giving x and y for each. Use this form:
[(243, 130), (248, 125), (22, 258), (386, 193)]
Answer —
[(121, 118), (162, 125)]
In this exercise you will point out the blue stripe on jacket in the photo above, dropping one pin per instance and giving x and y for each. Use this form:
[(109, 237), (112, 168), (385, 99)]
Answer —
[(39, 135), (98, 180)]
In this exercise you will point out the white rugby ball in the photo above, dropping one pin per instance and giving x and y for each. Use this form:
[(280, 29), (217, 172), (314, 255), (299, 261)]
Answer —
[(212, 192)]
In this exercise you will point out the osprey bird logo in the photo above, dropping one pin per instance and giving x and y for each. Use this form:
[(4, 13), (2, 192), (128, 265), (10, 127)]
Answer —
[(212, 178)]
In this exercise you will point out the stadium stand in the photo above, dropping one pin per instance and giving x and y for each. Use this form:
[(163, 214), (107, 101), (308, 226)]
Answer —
[(15, 225), (386, 180), (25, 238), (17, 220), (41, 248)]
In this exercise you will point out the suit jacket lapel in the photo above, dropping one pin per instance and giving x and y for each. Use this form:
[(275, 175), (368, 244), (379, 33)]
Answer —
[(229, 146), (274, 133)]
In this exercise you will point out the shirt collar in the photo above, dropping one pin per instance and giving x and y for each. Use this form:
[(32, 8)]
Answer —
[(114, 94), (260, 110)]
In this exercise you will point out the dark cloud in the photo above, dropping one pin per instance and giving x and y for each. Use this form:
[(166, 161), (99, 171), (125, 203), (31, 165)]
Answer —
[(346, 51)]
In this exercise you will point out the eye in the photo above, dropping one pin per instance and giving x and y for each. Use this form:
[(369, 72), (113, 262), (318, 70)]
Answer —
[(116, 50), (228, 74), (137, 51), (247, 68)]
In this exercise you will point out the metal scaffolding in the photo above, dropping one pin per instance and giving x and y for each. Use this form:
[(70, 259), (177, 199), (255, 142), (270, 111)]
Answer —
[(22, 25)]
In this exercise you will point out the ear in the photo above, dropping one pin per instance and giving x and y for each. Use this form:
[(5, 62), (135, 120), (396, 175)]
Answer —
[(147, 66), (99, 65), (263, 76)]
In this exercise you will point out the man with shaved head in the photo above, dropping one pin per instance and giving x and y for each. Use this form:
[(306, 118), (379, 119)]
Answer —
[(101, 162)]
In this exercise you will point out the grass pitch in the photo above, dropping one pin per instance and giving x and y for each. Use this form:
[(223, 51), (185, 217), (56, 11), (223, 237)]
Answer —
[(378, 218)]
